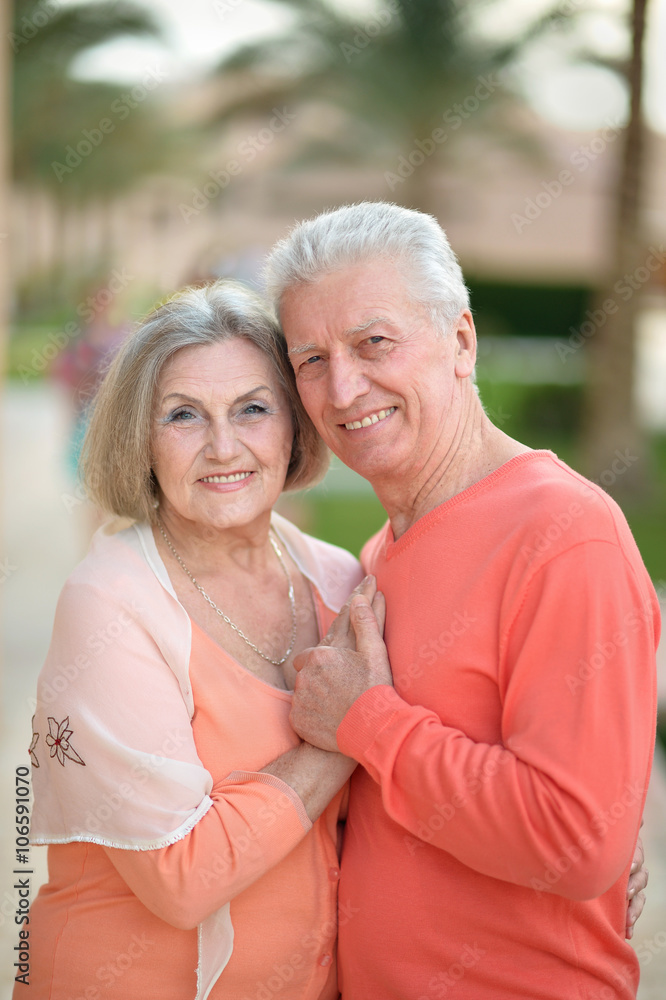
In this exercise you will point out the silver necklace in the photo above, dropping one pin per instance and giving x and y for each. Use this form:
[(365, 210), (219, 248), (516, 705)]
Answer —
[(292, 601)]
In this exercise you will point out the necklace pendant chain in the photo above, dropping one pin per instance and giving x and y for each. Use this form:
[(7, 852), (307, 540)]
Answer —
[(225, 618)]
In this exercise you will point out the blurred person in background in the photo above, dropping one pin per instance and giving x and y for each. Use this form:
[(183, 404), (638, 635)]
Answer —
[(193, 837), (80, 367), (506, 740)]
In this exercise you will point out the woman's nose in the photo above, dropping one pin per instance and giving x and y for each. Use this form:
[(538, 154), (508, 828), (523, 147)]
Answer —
[(222, 442)]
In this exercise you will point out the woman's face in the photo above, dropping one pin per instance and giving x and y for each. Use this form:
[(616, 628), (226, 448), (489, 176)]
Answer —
[(221, 435)]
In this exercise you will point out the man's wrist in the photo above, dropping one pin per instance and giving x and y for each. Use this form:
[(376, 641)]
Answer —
[(367, 715)]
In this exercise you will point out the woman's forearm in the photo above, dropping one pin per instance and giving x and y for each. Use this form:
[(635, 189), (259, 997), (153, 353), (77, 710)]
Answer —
[(250, 828), (315, 775)]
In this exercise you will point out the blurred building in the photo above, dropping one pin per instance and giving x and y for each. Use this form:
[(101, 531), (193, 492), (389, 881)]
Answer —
[(537, 216)]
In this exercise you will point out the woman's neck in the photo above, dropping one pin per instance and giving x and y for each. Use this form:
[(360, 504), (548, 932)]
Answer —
[(210, 548)]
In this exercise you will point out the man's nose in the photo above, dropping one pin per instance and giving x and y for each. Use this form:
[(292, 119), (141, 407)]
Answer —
[(346, 382)]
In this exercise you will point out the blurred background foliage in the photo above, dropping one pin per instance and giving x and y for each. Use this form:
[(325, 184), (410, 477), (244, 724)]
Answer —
[(50, 106), (363, 92)]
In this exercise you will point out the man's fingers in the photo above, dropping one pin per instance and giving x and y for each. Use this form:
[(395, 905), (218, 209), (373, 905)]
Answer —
[(364, 623), (379, 608), (340, 633)]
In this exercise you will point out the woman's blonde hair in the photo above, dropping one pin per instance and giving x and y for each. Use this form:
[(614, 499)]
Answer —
[(116, 460)]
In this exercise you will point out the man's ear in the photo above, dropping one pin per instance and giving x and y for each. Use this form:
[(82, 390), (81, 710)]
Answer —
[(465, 356)]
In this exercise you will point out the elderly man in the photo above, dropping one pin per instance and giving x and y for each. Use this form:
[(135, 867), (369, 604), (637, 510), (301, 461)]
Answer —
[(506, 749)]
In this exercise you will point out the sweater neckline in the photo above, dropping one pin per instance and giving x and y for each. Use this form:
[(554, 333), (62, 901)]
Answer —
[(393, 547)]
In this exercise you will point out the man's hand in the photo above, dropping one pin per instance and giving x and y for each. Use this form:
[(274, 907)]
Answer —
[(341, 634), (638, 879), (351, 659)]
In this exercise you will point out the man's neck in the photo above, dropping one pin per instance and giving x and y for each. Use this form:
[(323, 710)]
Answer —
[(475, 450)]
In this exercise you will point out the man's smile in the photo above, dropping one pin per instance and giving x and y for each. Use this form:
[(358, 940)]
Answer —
[(373, 418)]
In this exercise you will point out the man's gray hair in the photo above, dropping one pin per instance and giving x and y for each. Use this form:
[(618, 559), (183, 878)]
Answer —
[(373, 230)]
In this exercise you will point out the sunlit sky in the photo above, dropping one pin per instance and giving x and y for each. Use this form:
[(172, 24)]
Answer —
[(570, 94)]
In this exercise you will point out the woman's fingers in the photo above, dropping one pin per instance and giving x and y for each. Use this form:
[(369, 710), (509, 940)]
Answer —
[(633, 913), (639, 857)]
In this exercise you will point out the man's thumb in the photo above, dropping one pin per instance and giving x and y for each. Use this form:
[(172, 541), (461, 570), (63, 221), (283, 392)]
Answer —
[(363, 622)]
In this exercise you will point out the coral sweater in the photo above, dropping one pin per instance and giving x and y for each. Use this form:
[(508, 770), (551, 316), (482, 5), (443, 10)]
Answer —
[(490, 832)]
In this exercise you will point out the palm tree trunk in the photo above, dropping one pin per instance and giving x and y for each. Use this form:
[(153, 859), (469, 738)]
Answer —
[(612, 436)]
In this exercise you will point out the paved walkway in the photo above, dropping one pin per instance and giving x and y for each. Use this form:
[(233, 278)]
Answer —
[(45, 532)]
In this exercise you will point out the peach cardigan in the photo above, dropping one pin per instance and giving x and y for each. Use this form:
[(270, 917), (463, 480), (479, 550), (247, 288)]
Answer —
[(114, 757)]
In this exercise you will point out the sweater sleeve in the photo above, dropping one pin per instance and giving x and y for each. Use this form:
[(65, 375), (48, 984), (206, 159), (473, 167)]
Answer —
[(254, 822), (557, 804)]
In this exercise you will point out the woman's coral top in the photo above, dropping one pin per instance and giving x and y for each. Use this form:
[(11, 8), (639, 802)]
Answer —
[(176, 869)]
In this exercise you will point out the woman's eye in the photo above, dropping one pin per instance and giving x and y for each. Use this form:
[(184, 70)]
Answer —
[(255, 408), (181, 416)]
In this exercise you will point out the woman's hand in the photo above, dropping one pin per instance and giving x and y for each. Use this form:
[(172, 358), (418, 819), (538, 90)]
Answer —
[(638, 879), (317, 774)]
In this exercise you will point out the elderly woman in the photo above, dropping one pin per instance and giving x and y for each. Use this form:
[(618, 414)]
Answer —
[(192, 834)]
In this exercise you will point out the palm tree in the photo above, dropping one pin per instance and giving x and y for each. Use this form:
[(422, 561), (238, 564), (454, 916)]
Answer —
[(611, 425), (52, 111), (406, 78)]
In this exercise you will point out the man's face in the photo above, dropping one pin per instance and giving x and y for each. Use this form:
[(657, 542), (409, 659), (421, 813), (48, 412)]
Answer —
[(377, 379)]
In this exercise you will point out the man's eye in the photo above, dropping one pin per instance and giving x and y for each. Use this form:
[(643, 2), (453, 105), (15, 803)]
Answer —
[(315, 357), (376, 339)]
